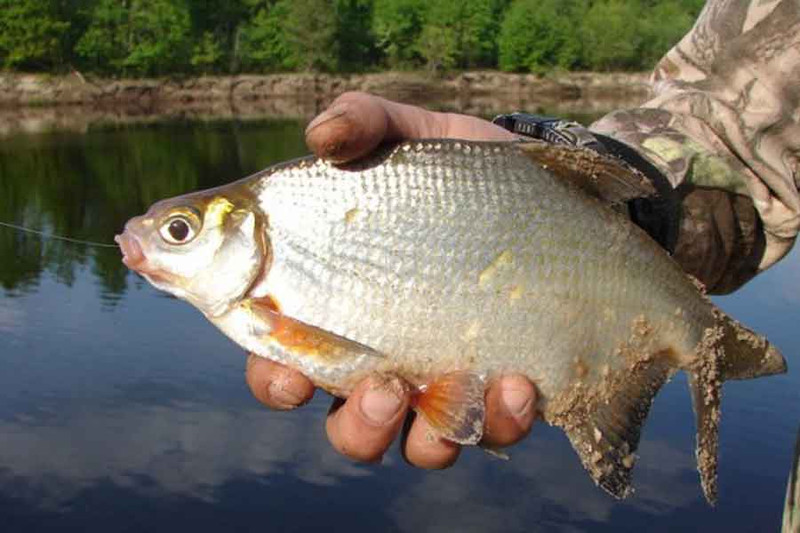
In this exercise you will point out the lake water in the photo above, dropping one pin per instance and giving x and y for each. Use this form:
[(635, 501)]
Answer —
[(122, 409)]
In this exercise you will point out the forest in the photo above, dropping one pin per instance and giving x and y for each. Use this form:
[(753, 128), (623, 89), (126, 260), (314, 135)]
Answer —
[(196, 37)]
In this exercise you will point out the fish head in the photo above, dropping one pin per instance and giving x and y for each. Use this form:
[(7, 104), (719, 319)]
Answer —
[(206, 248)]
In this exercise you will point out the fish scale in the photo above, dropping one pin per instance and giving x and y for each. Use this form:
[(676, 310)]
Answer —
[(446, 264), (509, 218)]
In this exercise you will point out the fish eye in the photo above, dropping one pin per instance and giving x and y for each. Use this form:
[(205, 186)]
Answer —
[(180, 228)]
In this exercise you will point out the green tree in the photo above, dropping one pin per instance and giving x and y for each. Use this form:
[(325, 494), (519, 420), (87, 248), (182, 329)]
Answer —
[(397, 25), (207, 53), (693, 7), (539, 35), (357, 48), (457, 33), (217, 27), (31, 34), (661, 27), (142, 37), (309, 35), (263, 46), (78, 13), (104, 46), (488, 51), (152, 37), (611, 35), (311, 32), (438, 45), (161, 36)]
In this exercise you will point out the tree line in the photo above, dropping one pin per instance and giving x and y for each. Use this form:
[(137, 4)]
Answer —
[(163, 37)]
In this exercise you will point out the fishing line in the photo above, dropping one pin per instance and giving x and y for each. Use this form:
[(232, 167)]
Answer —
[(58, 237)]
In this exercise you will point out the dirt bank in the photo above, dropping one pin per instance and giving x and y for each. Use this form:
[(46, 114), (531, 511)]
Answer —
[(35, 103), (17, 90)]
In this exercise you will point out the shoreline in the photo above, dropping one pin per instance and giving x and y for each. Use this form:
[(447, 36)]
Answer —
[(74, 89), (32, 103)]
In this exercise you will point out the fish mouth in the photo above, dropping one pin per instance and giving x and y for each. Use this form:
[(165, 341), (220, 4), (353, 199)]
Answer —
[(132, 255)]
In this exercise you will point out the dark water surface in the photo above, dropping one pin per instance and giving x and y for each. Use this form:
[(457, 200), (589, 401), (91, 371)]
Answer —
[(124, 410)]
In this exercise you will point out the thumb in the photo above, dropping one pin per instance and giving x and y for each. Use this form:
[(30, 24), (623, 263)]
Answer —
[(351, 127)]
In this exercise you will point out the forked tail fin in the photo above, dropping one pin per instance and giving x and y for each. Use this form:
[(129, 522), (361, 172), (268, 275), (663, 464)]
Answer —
[(728, 351), (605, 434)]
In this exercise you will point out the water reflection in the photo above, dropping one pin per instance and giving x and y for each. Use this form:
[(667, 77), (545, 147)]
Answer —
[(87, 186), (192, 453), (122, 409)]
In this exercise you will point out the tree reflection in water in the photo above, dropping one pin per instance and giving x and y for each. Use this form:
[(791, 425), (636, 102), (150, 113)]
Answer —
[(87, 186)]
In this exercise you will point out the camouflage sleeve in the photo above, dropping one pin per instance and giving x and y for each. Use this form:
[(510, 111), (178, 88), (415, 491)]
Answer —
[(723, 126)]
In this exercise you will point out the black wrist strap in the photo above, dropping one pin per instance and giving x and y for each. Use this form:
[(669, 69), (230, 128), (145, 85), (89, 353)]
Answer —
[(658, 216), (549, 129)]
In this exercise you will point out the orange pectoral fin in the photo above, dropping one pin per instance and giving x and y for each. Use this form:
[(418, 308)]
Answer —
[(304, 339), (454, 406)]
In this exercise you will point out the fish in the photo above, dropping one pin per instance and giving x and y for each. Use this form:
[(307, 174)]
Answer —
[(450, 263)]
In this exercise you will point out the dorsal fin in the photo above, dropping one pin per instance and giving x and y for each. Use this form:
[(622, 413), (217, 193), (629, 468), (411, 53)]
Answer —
[(602, 176)]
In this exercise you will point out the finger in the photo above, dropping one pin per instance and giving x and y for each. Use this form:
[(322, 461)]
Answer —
[(510, 410), (356, 123), (423, 448), (364, 426), (275, 385)]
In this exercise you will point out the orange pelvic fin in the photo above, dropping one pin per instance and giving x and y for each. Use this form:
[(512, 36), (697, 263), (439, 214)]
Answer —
[(453, 405), (305, 339)]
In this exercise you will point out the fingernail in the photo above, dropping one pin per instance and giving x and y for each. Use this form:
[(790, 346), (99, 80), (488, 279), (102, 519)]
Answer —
[(283, 395), (380, 404), (517, 402), (332, 113)]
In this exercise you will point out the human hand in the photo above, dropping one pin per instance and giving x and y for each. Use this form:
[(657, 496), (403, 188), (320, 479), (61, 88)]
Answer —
[(364, 426)]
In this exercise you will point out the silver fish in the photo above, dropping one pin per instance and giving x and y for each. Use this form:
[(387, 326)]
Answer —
[(449, 263)]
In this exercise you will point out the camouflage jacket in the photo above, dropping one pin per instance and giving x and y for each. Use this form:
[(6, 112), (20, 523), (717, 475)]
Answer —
[(723, 125)]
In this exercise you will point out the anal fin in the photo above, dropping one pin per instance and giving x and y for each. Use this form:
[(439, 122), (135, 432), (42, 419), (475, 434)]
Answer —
[(607, 437), (453, 405)]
